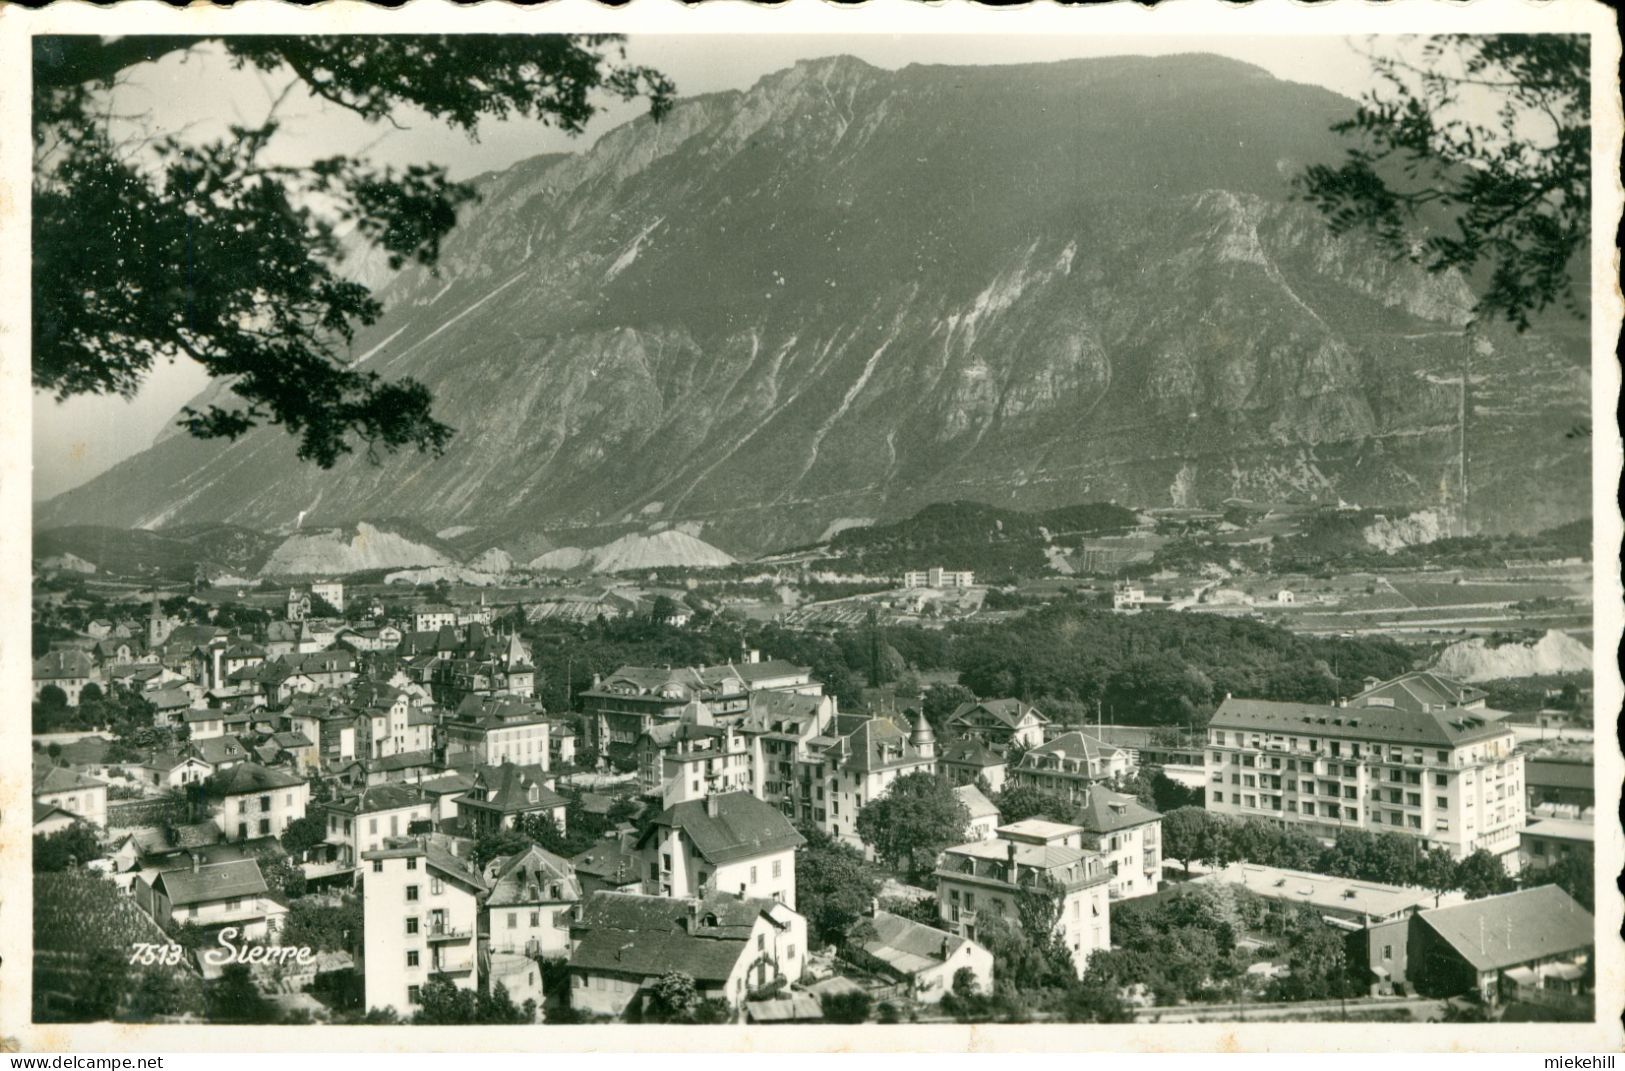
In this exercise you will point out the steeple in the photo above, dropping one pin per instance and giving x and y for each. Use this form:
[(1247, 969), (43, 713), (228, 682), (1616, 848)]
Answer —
[(923, 738)]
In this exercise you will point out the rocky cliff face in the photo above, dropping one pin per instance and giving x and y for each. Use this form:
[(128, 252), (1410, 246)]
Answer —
[(850, 292)]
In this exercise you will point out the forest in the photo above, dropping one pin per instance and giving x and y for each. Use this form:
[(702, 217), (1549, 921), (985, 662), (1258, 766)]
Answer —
[(1076, 661)]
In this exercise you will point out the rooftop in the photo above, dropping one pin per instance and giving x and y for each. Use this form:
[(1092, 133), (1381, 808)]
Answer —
[(1562, 829), (727, 827), (217, 881), (1514, 928), (628, 933), (1437, 728), (1323, 891)]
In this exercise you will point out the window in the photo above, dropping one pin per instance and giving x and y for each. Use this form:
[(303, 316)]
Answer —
[(411, 862), (372, 825), (1309, 808), (411, 957), (265, 804), (1442, 756), (265, 827), (1218, 797), (513, 920), (411, 924), (789, 951), (778, 867), (1440, 780), (753, 875), (377, 866), (1350, 814), (535, 918), (411, 892), (412, 994), (436, 886), (761, 942), (1387, 951)]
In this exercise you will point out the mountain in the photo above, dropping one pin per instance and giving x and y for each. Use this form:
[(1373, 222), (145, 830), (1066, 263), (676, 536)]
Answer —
[(850, 293)]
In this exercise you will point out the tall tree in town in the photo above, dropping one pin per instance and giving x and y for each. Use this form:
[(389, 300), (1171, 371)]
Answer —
[(163, 249), (916, 818), (1474, 154)]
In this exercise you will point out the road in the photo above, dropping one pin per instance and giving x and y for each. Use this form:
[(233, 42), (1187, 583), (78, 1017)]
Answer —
[(1420, 1009)]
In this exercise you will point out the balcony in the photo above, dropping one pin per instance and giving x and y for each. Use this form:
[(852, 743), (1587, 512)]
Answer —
[(458, 962), (449, 933)]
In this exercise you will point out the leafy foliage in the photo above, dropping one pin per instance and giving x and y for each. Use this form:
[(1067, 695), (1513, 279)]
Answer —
[(1436, 186), (916, 817), (66, 848), (442, 1003), (834, 886), (210, 251)]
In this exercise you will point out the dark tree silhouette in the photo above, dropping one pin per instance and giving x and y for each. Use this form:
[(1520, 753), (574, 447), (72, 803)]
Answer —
[(1511, 196), (210, 252)]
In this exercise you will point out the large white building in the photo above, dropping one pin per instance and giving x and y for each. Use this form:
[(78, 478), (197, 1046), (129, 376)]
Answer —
[(985, 877), (730, 842), (938, 577), (257, 801), (420, 914), (1447, 776)]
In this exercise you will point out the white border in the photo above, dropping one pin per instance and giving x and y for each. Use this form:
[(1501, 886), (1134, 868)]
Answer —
[(1184, 17)]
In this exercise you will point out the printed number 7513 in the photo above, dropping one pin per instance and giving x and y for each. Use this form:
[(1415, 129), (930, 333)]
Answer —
[(148, 955)]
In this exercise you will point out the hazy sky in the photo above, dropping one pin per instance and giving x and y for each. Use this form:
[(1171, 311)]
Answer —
[(199, 93)]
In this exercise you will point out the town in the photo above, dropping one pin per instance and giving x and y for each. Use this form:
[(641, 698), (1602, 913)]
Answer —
[(363, 803)]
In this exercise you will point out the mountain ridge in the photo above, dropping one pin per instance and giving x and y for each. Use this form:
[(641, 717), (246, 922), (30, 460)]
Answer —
[(850, 292)]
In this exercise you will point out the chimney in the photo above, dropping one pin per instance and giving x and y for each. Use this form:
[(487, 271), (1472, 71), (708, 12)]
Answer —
[(197, 862), (741, 890), (1010, 852), (711, 808)]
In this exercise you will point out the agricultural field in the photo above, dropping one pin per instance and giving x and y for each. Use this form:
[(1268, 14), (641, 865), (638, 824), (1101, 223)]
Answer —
[(84, 933)]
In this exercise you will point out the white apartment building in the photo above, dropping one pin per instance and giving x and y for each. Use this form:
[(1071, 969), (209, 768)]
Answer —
[(938, 577), (420, 914), (364, 822), (1446, 776), (730, 843), (1128, 836), (983, 878), (256, 801)]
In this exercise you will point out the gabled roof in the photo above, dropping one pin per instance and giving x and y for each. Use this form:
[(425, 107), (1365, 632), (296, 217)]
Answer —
[(867, 744), (1387, 725), (217, 881), (1074, 745), (613, 859), (251, 777), (1106, 811), (43, 811), (291, 739), (404, 760), (627, 933), (1421, 688), (975, 802), (1010, 712), (728, 827), (168, 699), (62, 665), (507, 788), (62, 779), (375, 798), (1514, 928), (527, 878), (906, 946), (971, 752), (751, 672), (218, 749)]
